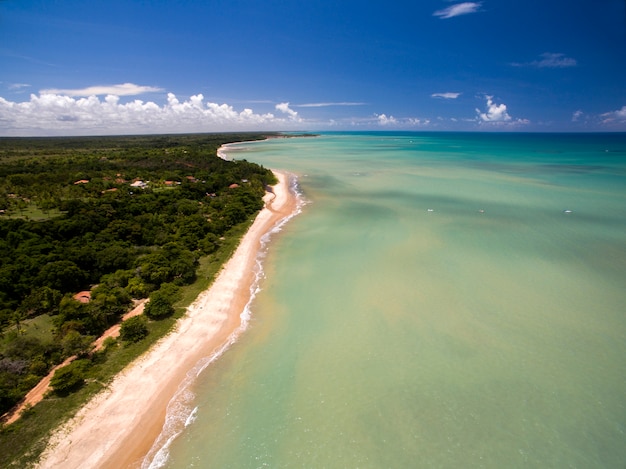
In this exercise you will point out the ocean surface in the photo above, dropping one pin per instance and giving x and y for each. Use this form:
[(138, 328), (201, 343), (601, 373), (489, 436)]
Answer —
[(443, 300)]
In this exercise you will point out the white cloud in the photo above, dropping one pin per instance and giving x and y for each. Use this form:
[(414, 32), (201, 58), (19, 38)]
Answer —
[(171, 99), (549, 60), (285, 109), (18, 86), (415, 122), (458, 10), (612, 120), (124, 89), (445, 95), (56, 114), (330, 104), (497, 114), (384, 120), (614, 117), (620, 114), (374, 121)]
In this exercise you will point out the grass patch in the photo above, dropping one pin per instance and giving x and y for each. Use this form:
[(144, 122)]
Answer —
[(33, 212), (40, 327)]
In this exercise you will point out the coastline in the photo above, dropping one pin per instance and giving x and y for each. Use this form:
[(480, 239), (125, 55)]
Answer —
[(104, 433)]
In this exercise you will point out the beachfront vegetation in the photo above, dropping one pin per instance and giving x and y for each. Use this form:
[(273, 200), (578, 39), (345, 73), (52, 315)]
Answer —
[(134, 329), (69, 378), (88, 224)]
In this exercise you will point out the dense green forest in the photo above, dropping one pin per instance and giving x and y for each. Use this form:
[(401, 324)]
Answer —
[(119, 217)]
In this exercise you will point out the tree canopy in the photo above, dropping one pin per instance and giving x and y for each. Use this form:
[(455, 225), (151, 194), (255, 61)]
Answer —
[(115, 217)]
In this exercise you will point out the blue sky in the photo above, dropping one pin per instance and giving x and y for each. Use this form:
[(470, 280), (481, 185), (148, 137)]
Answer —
[(92, 67)]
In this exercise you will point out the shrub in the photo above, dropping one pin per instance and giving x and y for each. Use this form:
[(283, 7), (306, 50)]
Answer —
[(69, 378), (74, 343), (134, 329), (108, 343), (158, 307)]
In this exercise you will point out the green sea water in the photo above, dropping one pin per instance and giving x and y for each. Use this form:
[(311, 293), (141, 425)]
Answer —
[(442, 300)]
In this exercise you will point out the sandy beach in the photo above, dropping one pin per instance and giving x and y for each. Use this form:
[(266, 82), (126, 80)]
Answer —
[(119, 426)]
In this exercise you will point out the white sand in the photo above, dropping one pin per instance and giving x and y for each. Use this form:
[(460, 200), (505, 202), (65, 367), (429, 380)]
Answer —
[(118, 427)]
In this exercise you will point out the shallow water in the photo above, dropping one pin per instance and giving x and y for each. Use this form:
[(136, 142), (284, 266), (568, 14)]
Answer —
[(444, 300)]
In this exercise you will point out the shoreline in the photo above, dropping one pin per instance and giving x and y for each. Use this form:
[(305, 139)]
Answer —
[(104, 433)]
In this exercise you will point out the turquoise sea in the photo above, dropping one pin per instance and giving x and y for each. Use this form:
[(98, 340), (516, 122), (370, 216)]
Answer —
[(443, 300)]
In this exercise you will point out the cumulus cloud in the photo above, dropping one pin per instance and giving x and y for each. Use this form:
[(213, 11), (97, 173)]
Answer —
[(577, 115), (549, 60), (285, 109), (497, 114), (56, 114), (384, 120), (458, 10), (124, 89), (445, 95)]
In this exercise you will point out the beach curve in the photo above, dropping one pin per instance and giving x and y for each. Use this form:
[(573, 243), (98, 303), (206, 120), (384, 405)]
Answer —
[(118, 427)]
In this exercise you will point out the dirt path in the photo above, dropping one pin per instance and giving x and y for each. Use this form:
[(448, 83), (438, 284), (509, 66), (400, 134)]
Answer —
[(36, 394)]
